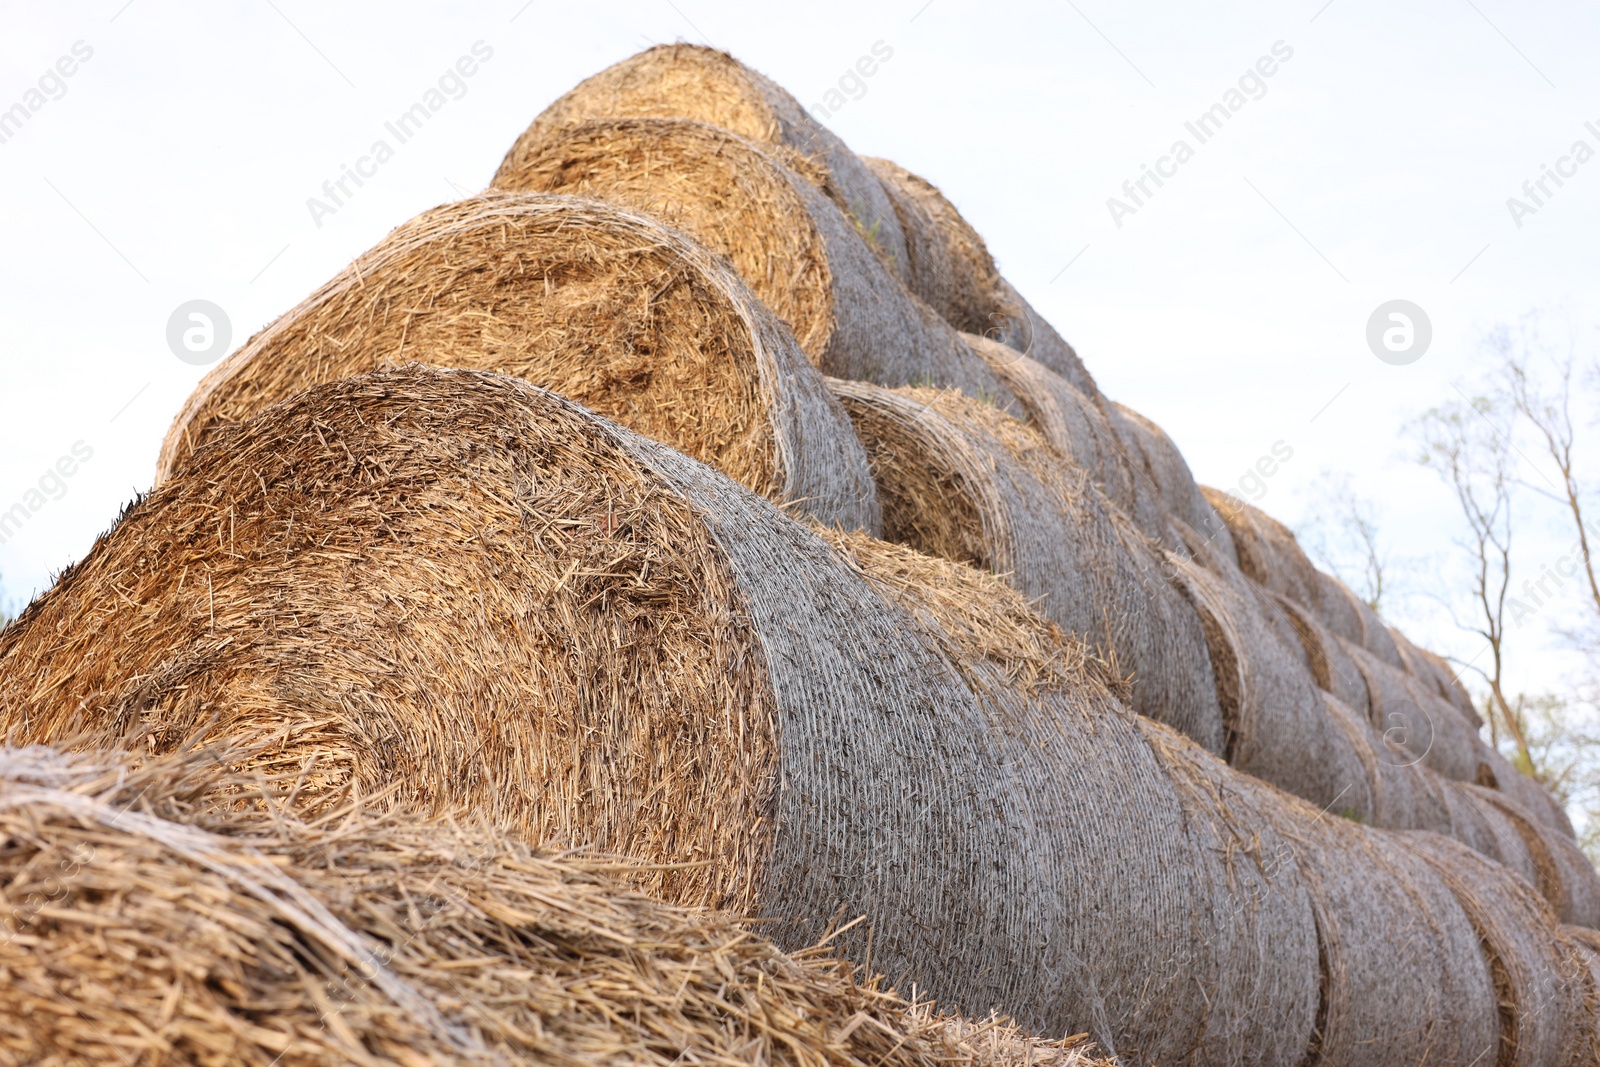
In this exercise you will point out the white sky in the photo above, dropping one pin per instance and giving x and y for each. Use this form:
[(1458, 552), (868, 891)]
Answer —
[(178, 163)]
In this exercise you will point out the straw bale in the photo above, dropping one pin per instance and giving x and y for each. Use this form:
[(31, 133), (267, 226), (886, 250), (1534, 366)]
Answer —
[(1075, 424), (1537, 988), (1167, 468), (165, 913), (465, 592), (1449, 683), (604, 306), (1280, 729), (1403, 978), (794, 248), (1509, 839), (950, 267), (959, 480), (1563, 874), (1267, 930), (685, 81)]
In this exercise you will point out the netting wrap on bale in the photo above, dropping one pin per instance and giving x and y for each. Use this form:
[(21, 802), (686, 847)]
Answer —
[(794, 247), (164, 913), (960, 480), (683, 81), (605, 306), (1199, 942)]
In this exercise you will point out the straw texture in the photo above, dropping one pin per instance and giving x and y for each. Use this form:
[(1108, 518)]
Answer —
[(794, 248), (157, 913), (605, 306)]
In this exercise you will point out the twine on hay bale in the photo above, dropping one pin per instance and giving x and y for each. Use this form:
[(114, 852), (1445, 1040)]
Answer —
[(960, 480), (685, 81), (167, 909), (794, 248), (604, 306), (950, 267)]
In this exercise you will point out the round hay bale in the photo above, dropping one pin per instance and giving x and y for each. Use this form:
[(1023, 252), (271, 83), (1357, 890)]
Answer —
[(601, 305), (1331, 664), (1173, 480), (153, 916), (1417, 719), (1562, 873), (1403, 978), (1279, 727), (1536, 988), (1075, 424), (1468, 822), (963, 481), (463, 592), (685, 81), (950, 267), (794, 248), (1449, 683), (1268, 937), (1210, 957)]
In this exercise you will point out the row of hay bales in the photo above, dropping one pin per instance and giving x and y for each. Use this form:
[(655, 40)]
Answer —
[(463, 592)]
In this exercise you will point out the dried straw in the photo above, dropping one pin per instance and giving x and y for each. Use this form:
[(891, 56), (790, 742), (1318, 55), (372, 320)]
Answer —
[(155, 914), (1166, 467), (604, 306), (684, 81), (796, 249), (1562, 873)]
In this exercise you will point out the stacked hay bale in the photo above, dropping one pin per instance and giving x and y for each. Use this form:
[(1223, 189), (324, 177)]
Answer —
[(162, 911), (794, 247), (416, 590), (603, 305)]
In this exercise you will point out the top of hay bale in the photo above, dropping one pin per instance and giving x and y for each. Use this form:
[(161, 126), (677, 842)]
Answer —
[(686, 81), (604, 306)]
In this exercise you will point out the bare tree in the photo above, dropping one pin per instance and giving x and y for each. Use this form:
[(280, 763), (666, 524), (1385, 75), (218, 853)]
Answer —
[(1342, 533), (1545, 405), (1468, 445)]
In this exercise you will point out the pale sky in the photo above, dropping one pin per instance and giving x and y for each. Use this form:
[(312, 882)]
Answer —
[(175, 164)]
